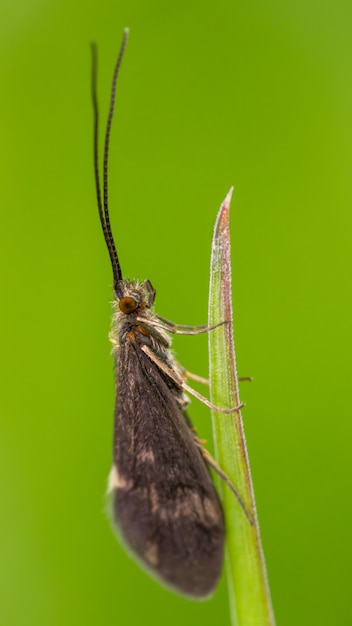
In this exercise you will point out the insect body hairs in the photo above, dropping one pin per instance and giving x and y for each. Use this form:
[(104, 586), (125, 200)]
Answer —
[(163, 498)]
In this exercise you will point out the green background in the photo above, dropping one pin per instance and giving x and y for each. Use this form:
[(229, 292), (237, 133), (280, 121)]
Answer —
[(254, 94)]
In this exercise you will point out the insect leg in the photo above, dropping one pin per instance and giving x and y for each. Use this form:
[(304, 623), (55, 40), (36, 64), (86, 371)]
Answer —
[(210, 461), (169, 372), (199, 379), (180, 329), (205, 381)]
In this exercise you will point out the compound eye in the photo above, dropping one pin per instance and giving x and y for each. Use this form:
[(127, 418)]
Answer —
[(128, 305)]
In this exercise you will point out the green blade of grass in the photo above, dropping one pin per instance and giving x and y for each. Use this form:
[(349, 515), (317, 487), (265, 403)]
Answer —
[(249, 594)]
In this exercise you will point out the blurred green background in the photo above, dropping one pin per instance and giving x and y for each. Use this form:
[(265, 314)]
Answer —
[(211, 94)]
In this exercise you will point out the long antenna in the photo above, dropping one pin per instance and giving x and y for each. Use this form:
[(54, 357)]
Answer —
[(104, 212)]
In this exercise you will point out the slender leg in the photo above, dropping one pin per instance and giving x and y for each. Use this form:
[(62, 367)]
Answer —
[(198, 379), (169, 372), (210, 461), (179, 329), (205, 381)]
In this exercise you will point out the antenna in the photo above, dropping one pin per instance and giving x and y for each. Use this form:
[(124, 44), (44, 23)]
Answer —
[(103, 206)]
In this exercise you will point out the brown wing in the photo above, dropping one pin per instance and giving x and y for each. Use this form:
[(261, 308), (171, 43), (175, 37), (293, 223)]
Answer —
[(164, 501)]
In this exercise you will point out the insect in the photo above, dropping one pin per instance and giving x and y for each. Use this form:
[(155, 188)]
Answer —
[(164, 501)]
